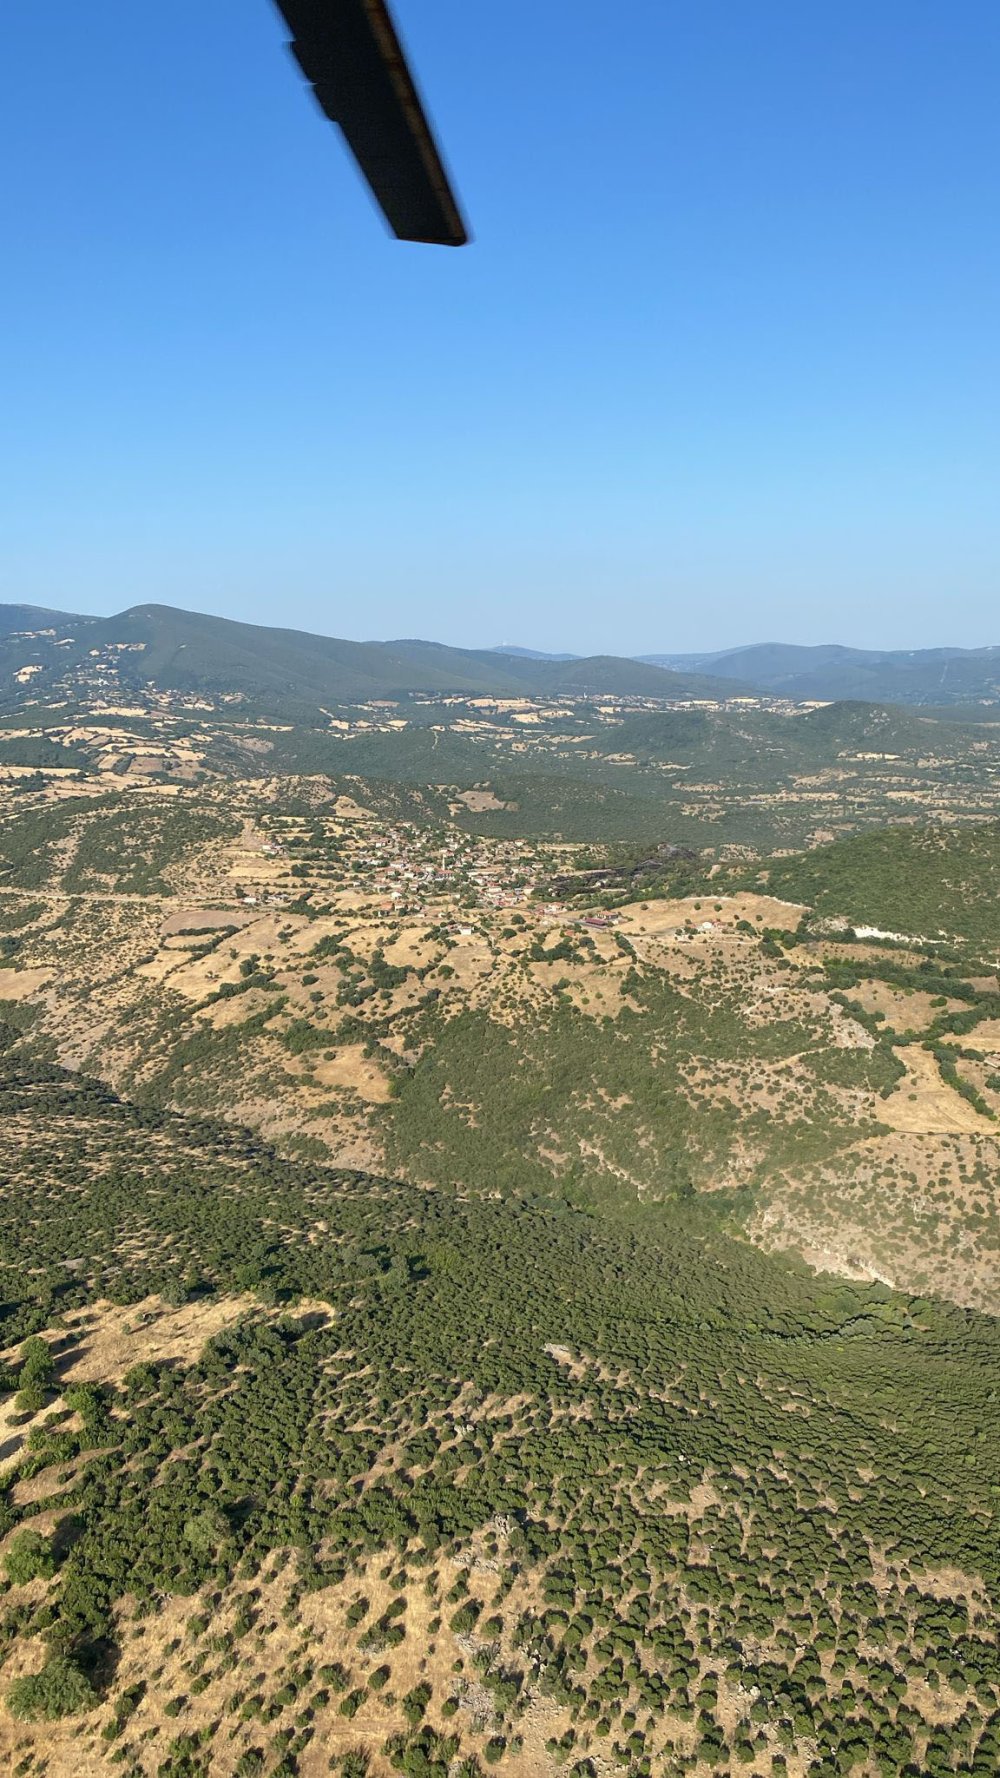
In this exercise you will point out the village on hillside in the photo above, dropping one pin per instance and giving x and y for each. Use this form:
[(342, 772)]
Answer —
[(352, 860)]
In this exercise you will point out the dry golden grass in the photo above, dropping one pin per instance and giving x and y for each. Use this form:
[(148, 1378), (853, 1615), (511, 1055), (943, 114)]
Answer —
[(722, 912), (926, 1104), (23, 984), (99, 1344), (904, 1011), (350, 1070)]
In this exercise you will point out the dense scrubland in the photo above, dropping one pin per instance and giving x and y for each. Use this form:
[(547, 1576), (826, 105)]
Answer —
[(708, 1508)]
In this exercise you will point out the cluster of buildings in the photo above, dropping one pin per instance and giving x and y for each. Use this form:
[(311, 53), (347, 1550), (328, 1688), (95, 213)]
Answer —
[(414, 869), (406, 870), (411, 867)]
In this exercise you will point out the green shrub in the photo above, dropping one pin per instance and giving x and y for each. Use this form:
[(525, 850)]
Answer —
[(29, 1557), (60, 1689)]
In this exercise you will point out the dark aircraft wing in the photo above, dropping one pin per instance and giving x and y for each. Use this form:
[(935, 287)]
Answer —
[(349, 52)]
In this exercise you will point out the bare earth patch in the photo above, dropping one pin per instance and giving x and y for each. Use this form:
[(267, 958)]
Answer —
[(204, 920), (480, 800), (21, 984), (913, 1011), (926, 1103), (352, 1069), (110, 1339)]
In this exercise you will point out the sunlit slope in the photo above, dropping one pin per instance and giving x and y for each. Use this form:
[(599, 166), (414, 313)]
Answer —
[(306, 958)]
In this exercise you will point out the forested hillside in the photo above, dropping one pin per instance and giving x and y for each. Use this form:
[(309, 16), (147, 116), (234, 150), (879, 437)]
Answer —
[(939, 882), (902, 676)]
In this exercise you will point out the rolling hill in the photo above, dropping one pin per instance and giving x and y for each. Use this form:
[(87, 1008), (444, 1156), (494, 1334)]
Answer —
[(936, 881), (744, 745)]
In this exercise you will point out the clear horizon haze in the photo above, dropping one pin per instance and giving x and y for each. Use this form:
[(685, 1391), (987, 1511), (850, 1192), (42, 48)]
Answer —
[(721, 365)]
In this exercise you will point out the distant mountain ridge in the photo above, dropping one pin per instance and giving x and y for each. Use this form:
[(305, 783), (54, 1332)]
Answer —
[(300, 673), (830, 671), (533, 654)]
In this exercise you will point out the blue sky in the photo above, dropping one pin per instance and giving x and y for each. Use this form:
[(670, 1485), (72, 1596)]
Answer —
[(722, 365)]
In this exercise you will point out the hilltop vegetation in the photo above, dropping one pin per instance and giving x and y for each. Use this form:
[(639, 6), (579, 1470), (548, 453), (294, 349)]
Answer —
[(187, 650), (939, 882)]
